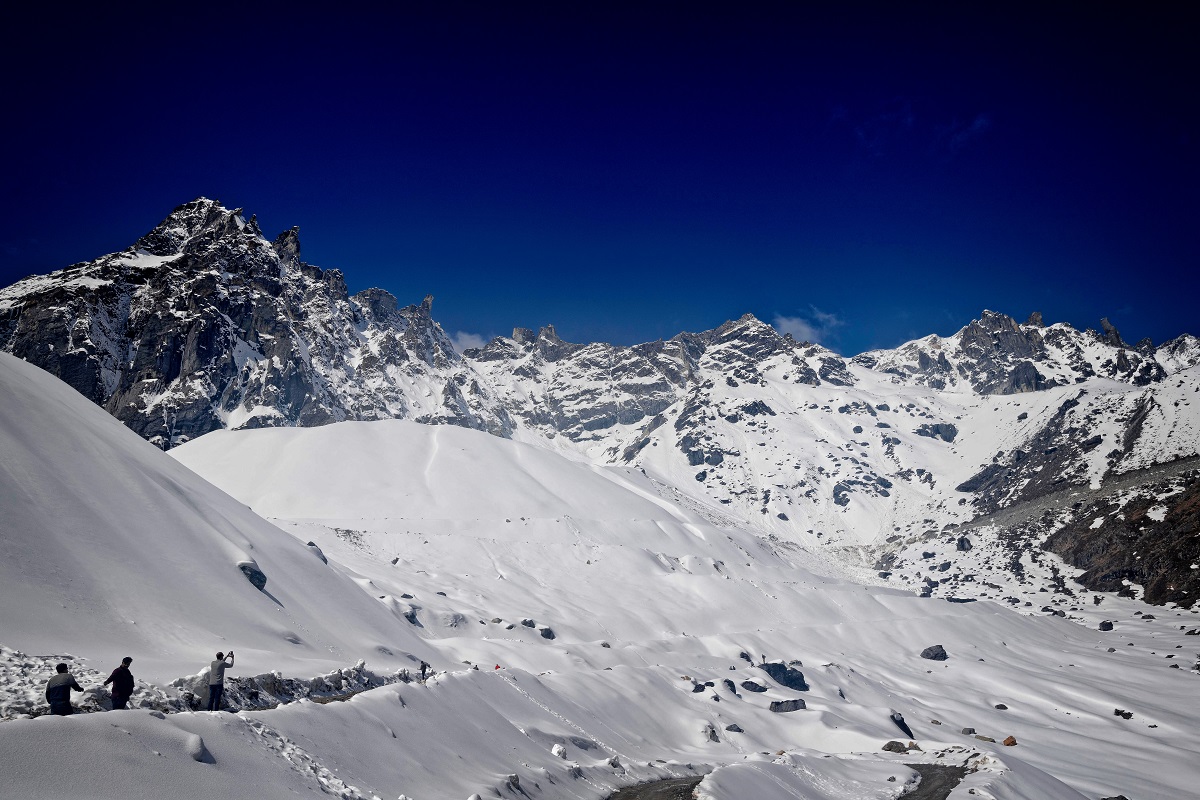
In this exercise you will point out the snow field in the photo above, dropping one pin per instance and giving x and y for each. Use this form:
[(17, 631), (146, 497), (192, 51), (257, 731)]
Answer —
[(677, 609), (483, 529)]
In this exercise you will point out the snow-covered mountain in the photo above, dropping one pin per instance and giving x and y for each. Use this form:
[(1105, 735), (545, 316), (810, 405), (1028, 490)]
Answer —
[(727, 554), (205, 324)]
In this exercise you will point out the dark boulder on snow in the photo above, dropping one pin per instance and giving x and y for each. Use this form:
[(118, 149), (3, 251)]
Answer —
[(963, 544), (942, 430), (730, 686), (898, 718), (1106, 625), (896, 747), (751, 686), (253, 574), (785, 676), (783, 706), (546, 633), (733, 727), (935, 653)]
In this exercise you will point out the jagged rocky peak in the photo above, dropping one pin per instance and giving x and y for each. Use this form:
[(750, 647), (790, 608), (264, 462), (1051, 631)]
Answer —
[(1180, 353), (287, 245), (752, 337), (226, 329), (995, 355), (552, 347), (380, 304), (191, 221), (1111, 335), (994, 331), (745, 346)]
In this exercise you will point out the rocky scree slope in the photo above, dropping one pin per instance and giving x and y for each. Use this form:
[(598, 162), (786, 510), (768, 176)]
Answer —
[(204, 324)]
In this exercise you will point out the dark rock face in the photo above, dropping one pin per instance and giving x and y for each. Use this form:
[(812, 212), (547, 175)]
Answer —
[(254, 575), (783, 706), (1055, 456), (935, 653), (942, 430), (785, 676), (898, 719), (1149, 540), (204, 324), (751, 686)]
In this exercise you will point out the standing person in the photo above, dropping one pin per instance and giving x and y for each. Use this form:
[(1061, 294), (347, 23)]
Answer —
[(424, 670), (216, 680), (122, 683), (58, 691)]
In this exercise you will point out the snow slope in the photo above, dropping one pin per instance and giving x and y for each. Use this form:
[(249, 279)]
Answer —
[(609, 608), (649, 600), (109, 547)]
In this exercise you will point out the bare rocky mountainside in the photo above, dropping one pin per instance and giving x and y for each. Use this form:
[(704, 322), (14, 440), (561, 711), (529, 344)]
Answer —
[(204, 323)]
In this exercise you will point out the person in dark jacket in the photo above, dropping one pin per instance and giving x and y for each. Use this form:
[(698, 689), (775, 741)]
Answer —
[(216, 680), (58, 691), (122, 683)]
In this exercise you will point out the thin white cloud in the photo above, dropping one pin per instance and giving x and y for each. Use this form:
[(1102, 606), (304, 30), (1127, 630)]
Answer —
[(956, 135), (465, 341), (814, 326)]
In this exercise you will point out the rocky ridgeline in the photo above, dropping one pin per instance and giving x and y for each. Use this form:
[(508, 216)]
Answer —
[(995, 355), (204, 323)]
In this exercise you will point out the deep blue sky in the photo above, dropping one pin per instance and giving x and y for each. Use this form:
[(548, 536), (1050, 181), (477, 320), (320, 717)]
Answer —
[(627, 173)]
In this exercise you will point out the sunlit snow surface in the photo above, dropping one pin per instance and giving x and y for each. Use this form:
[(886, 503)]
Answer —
[(102, 531)]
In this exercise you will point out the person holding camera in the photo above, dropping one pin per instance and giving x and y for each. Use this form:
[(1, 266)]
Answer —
[(216, 680)]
